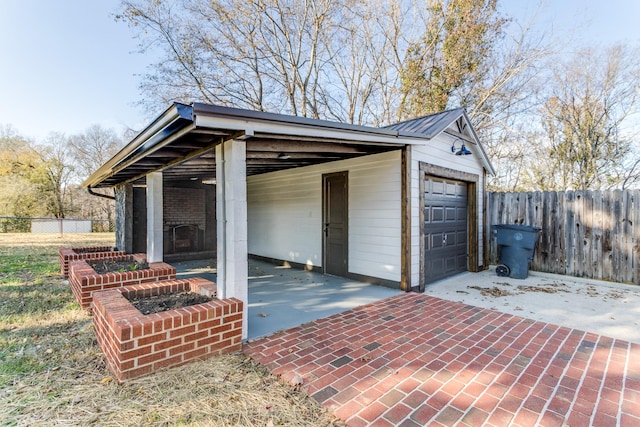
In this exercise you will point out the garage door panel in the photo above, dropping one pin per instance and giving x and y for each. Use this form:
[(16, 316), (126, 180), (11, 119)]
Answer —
[(462, 263), (451, 214), (451, 263), (445, 228), (438, 188), (437, 214), (436, 241)]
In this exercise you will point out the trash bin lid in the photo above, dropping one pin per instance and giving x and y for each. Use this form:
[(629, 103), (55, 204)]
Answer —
[(517, 227)]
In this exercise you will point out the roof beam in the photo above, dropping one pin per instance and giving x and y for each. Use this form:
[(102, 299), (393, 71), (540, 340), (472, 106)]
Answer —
[(301, 138), (457, 134), (298, 146)]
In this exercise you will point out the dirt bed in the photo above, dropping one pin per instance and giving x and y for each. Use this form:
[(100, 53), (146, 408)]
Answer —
[(159, 303), (103, 267)]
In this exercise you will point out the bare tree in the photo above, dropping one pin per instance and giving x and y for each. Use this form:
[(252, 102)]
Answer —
[(337, 59), (53, 173), (92, 148), (365, 53), (254, 54), (591, 96), (374, 62)]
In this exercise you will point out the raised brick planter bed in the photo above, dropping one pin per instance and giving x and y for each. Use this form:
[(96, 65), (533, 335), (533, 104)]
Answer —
[(85, 281), (92, 253), (135, 344)]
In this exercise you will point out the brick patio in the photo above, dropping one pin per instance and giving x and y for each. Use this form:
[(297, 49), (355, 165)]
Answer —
[(413, 360)]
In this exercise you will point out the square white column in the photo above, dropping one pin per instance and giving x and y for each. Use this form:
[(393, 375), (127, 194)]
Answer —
[(155, 244), (231, 210)]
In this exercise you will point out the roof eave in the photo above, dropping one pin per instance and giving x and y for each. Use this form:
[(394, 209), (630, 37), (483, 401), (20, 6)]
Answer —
[(487, 161), (172, 120)]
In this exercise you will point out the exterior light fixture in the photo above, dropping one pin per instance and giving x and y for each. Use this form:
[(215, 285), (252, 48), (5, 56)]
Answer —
[(462, 151)]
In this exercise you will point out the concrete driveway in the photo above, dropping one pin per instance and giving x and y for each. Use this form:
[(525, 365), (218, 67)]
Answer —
[(606, 308)]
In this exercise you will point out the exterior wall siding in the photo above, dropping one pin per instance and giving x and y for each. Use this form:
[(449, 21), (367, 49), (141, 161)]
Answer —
[(438, 152), (285, 214)]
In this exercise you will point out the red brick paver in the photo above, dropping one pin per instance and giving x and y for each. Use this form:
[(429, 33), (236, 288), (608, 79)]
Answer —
[(414, 360)]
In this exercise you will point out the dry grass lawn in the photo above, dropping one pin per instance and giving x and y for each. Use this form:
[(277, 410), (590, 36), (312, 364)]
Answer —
[(52, 371)]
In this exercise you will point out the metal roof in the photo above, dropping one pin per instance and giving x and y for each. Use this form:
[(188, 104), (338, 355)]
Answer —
[(432, 125), (428, 126), (181, 142)]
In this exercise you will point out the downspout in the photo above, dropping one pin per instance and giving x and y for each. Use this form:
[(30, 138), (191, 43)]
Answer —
[(93, 193)]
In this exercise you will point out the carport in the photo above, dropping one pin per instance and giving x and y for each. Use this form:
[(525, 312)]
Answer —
[(191, 146), (334, 198)]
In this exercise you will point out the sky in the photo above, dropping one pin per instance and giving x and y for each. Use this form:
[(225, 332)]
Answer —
[(67, 64)]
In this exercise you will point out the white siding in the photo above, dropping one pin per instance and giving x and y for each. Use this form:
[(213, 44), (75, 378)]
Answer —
[(285, 214), (438, 152)]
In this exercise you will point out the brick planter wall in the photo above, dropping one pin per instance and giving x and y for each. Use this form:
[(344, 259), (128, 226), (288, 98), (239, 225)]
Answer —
[(85, 281), (87, 253), (135, 344)]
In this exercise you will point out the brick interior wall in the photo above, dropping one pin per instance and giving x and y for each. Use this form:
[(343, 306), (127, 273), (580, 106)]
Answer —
[(88, 253), (184, 206), (135, 344), (85, 281)]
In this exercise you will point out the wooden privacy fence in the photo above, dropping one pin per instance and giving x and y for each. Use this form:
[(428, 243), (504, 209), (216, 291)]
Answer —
[(592, 234)]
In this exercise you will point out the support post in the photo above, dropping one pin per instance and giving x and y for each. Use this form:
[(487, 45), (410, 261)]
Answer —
[(124, 217), (155, 244), (231, 208)]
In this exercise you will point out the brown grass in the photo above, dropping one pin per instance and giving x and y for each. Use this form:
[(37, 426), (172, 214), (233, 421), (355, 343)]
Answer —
[(52, 371)]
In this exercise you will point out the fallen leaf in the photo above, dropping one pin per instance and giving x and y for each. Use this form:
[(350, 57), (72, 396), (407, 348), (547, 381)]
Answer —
[(106, 380), (297, 380)]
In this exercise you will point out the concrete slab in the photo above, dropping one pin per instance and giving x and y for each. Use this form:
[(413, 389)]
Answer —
[(606, 308), (282, 297)]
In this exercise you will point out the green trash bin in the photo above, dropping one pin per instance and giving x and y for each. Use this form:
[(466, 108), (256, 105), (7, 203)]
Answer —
[(517, 245)]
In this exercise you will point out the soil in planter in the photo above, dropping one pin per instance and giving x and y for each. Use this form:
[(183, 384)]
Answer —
[(93, 250), (102, 267), (159, 303)]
